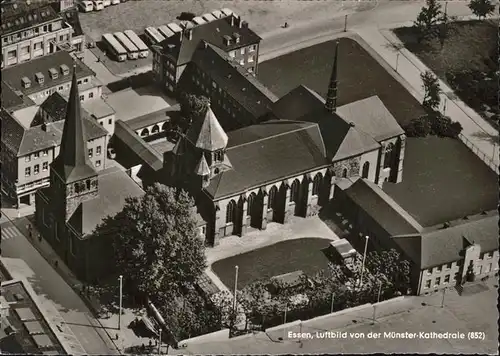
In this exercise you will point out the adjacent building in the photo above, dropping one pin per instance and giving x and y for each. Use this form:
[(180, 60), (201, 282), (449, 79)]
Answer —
[(35, 29), (79, 197), (41, 77)]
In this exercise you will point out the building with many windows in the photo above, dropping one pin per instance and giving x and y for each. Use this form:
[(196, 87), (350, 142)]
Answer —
[(35, 29)]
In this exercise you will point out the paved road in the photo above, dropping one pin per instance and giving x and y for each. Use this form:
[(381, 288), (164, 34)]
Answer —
[(47, 282)]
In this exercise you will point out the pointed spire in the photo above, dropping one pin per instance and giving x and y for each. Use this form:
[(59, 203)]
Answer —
[(73, 162), (331, 98), (202, 168), (207, 133)]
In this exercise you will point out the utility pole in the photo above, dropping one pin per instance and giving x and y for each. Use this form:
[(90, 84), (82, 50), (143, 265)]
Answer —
[(345, 23), (235, 287), (442, 300), (378, 299), (159, 342), (284, 321), (364, 259), (121, 299), (333, 298)]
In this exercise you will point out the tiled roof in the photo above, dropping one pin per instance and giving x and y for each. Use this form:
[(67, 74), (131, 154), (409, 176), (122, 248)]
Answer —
[(371, 116), (19, 15), (242, 86), (382, 208), (114, 187), (268, 152), (23, 141), (13, 75), (145, 152), (342, 139), (9, 99), (206, 133), (212, 32), (55, 106)]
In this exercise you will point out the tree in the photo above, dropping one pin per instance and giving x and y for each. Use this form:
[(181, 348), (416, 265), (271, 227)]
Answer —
[(481, 8), (224, 304), (389, 267), (156, 243), (255, 300), (192, 108), (430, 83), (427, 20), (419, 127)]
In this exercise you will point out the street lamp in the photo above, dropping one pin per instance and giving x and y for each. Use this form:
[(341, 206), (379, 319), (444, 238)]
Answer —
[(235, 287), (121, 298), (345, 23), (397, 61), (159, 342), (442, 300), (364, 258), (378, 298), (331, 306)]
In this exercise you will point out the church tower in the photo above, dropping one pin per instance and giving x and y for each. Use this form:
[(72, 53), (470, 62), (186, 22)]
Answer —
[(73, 178), (331, 97)]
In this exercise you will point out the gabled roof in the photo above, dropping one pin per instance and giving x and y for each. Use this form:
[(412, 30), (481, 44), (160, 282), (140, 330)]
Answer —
[(206, 133), (73, 162), (10, 100), (268, 152), (12, 131), (342, 139), (382, 208), (115, 186), (213, 32), (242, 86), (55, 107), (19, 15), (12, 75), (371, 116)]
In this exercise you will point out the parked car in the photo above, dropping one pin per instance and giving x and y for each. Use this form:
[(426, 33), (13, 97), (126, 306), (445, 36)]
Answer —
[(98, 5), (106, 3), (115, 2), (86, 6)]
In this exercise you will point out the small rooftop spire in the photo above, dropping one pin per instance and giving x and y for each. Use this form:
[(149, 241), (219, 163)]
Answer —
[(331, 98)]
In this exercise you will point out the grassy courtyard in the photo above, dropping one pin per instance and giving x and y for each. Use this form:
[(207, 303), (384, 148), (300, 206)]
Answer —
[(360, 76), (467, 61), (283, 257), (442, 181)]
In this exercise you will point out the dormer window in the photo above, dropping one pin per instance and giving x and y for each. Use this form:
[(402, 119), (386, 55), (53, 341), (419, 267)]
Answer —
[(26, 82), (64, 69), (39, 77), (236, 37), (53, 73), (227, 40)]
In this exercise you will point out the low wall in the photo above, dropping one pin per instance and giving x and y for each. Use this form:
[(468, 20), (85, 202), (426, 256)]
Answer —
[(220, 335), (283, 326), (341, 312)]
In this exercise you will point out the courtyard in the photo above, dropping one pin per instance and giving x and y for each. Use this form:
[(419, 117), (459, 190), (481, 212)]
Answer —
[(359, 76), (304, 255), (443, 181)]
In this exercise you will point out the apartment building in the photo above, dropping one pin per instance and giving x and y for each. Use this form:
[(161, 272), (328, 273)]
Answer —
[(27, 152), (31, 30), (230, 34), (39, 78)]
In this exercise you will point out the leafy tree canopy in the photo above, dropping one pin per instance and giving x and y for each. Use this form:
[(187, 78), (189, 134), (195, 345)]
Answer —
[(481, 8), (428, 19), (430, 83), (156, 243), (192, 107)]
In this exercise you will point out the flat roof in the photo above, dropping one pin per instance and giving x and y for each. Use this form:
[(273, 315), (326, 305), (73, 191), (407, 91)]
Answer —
[(98, 108)]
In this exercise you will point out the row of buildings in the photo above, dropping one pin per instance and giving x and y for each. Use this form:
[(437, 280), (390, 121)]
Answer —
[(250, 160)]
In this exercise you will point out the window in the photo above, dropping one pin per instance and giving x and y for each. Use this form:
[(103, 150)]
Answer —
[(488, 270), (273, 198), (344, 173), (489, 255), (232, 54), (316, 183), (242, 51), (214, 85), (481, 256), (251, 69), (36, 169), (36, 155), (251, 59), (27, 158), (110, 121), (428, 283), (38, 46), (242, 62), (429, 271), (45, 166), (389, 155), (27, 171), (91, 95), (102, 123), (439, 268), (98, 163), (294, 193), (60, 88), (12, 54), (86, 80), (82, 97), (253, 48), (25, 50), (218, 156), (438, 281), (455, 276), (449, 265), (91, 152), (366, 170), (447, 278), (250, 202), (230, 210), (79, 82), (98, 151)]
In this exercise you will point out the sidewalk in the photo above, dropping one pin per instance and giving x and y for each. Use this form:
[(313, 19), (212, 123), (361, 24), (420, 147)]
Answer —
[(476, 130)]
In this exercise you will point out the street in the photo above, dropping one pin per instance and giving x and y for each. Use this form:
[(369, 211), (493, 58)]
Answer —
[(48, 283)]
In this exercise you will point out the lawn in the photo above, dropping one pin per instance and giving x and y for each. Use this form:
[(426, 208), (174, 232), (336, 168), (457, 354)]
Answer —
[(442, 181), (283, 257), (360, 76), (467, 61)]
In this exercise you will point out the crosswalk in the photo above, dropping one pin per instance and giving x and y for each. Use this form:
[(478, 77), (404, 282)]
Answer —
[(9, 232)]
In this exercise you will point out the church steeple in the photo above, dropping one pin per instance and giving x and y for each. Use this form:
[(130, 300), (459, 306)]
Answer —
[(331, 98), (73, 164)]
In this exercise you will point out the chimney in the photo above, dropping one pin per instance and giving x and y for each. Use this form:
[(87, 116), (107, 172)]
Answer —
[(244, 24), (240, 22), (189, 34), (331, 98), (232, 20), (205, 44), (180, 34)]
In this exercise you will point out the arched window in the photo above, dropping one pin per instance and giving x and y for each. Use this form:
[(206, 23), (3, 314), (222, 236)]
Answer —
[(145, 132), (250, 202), (218, 156), (389, 154), (344, 173), (294, 193), (230, 210), (272, 197), (155, 129), (317, 183), (366, 170), (77, 187), (164, 127), (88, 184)]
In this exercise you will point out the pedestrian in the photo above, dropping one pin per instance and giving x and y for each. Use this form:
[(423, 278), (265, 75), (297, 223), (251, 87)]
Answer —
[(39, 237), (56, 263)]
